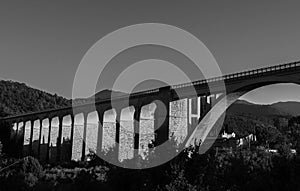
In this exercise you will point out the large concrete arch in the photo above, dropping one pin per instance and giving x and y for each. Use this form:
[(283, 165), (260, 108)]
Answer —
[(212, 118)]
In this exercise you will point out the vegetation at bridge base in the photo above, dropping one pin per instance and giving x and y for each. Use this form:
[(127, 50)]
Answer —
[(242, 169)]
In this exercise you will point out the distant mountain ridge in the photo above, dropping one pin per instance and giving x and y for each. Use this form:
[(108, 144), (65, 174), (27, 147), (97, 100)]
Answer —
[(101, 95), (245, 108), (290, 107)]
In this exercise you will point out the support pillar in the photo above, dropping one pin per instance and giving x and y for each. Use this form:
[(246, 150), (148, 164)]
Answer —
[(16, 135), (214, 131), (49, 139), (137, 115), (85, 115), (203, 107), (31, 138), (213, 100), (118, 125), (16, 140), (194, 113), (71, 136), (58, 142), (162, 116), (40, 137), (22, 140), (100, 130)]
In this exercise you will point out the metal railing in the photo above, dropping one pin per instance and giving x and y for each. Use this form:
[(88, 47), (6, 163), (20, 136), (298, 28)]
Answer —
[(247, 73)]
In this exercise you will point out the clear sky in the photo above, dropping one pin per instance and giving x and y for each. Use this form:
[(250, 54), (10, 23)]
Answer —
[(43, 42)]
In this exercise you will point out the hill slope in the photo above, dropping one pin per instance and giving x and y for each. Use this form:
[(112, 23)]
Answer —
[(17, 98), (242, 107), (291, 107)]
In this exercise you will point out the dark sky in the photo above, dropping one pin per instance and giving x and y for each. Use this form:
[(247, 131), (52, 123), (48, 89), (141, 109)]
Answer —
[(43, 42)]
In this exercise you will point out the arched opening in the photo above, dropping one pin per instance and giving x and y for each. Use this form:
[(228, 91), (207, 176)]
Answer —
[(45, 131), (66, 129), (27, 130), (36, 136), (44, 139), (109, 129), (126, 148), (146, 128), (53, 139), (54, 132), (78, 137), (66, 138), (92, 132)]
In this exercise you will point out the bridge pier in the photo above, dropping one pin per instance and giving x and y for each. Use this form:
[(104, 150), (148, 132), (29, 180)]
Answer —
[(40, 137), (31, 137), (118, 125), (85, 115), (71, 136), (204, 106), (49, 140), (100, 130), (17, 128), (162, 116), (194, 113), (58, 142), (137, 116), (22, 140)]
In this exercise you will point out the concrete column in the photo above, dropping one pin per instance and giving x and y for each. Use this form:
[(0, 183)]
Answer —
[(85, 115), (136, 124), (203, 107), (117, 140), (209, 103), (100, 130), (31, 138), (213, 100), (58, 142), (162, 116), (48, 144), (71, 136), (17, 129), (194, 113), (16, 140), (22, 139), (40, 137)]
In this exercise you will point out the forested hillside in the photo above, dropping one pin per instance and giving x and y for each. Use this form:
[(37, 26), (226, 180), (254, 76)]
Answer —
[(17, 98), (291, 107)]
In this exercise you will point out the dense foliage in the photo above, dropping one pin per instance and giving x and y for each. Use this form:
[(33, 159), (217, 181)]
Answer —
[(242, 169), (17, 98)]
